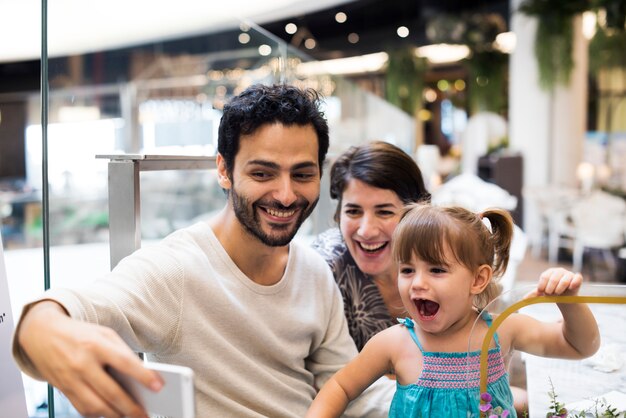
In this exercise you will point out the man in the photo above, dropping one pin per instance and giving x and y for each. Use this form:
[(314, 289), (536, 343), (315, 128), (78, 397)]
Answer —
[(257, 317)]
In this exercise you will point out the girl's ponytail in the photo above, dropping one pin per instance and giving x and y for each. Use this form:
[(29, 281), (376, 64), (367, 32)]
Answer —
[(501, 229)]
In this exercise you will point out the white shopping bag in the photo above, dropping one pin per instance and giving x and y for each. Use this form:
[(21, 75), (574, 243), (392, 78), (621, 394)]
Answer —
[(12, 398)]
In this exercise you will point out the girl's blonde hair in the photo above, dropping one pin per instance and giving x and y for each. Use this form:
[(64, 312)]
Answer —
[(427, 231)]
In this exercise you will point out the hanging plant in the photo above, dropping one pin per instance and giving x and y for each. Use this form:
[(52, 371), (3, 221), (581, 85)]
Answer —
[(615, 13), (404, 80), (607, 48), (554, 37), (487, 89), (487, 66)]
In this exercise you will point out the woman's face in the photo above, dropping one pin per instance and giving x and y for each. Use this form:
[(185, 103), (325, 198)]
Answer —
[(367, 220)]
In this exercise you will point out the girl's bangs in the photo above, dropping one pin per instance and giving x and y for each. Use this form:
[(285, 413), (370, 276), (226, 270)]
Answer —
[(424, 234)]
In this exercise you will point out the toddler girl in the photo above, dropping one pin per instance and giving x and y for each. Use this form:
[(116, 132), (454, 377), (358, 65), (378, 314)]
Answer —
[(447, 261)]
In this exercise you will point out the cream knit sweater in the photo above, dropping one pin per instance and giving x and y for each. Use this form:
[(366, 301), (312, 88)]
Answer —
[(256, 350)]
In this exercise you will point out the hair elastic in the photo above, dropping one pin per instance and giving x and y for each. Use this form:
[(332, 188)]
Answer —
[(486, 222)]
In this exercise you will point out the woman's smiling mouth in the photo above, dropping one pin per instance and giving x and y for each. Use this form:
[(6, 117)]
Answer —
[(372, 248)]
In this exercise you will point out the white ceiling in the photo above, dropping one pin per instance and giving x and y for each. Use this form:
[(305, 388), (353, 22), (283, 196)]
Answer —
[(80, 26)]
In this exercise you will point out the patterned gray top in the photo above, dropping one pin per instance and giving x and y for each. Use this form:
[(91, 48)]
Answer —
[(363, 304)]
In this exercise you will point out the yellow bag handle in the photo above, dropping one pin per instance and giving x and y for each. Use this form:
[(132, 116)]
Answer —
[(527, 302)]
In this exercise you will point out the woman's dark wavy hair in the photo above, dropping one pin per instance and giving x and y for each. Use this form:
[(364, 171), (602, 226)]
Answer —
[(260, 105), (381, 165)]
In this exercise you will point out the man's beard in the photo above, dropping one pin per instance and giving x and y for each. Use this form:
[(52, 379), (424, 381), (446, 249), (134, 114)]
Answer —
[(248, 217)]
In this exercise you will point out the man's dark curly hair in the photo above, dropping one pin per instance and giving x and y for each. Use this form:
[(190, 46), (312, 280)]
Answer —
[(259, 105)]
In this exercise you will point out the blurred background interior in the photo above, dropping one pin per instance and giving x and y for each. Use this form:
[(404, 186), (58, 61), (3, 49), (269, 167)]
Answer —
[(516, 104)]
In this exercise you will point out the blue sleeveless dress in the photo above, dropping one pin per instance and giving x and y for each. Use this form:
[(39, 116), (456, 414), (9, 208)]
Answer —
[(449, 383)]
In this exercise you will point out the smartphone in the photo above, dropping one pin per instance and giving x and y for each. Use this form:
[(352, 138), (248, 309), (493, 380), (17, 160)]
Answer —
[(174, 400)]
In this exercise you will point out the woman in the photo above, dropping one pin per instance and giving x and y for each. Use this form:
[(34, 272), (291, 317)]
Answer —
[(371, 183)]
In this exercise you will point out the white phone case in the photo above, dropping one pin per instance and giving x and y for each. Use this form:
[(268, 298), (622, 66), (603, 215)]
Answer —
[(175, 399)]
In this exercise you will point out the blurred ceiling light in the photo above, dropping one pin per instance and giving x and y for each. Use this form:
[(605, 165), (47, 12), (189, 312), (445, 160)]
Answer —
[(430, 95), (505, 42), (351, 65), (443, 85), (341, 17), (244, 27), (443, 53), (585, 173), (482, 81), (353, 38), (590, 19), (459, 85), (221, 90), (215, 75), (291, 28), (424, 115), (402, 31), (244, 38), (265, 50), (310, 43)]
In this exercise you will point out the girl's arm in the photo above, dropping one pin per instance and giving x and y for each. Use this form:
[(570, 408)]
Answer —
[(577, 336), (349, 382)]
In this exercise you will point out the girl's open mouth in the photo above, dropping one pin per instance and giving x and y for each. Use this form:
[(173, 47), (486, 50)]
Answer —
[(426, 308)]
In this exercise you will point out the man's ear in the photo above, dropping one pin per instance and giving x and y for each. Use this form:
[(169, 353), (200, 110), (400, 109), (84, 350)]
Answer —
[(481, 279), (222, 172)]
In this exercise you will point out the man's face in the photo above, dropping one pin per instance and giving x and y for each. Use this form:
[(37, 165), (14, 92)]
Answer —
[(275, 183)]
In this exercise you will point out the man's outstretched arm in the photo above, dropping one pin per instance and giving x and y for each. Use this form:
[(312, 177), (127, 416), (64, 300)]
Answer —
[(73, 356)]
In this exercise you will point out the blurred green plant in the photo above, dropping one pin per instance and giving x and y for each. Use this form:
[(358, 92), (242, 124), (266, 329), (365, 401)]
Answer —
[(600, 409), (556, 409), (607, 48), (487, 67), (554, 37), (404, 80), (615, 13), (487, 87)]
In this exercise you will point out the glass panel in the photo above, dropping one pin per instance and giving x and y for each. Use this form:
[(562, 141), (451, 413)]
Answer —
[(20, 201)]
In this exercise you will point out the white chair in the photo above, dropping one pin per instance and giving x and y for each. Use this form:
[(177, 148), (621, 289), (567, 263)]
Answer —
[(475, 194), (560, 232), (547, 213), (599, 221)]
